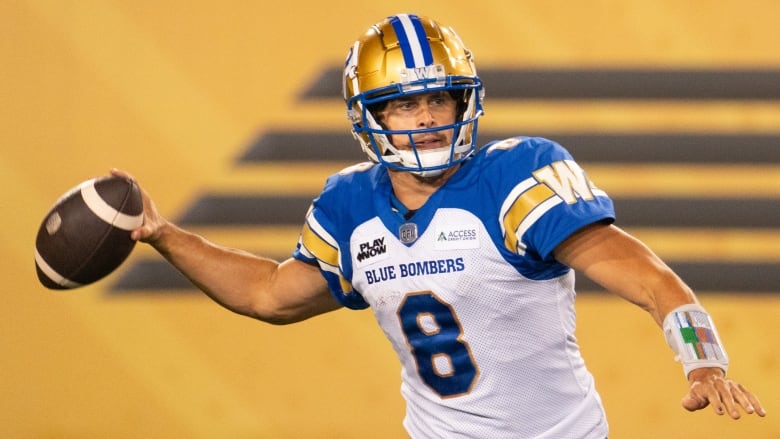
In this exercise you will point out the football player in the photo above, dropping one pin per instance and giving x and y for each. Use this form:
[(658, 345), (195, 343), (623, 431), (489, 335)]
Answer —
[(465, 255)]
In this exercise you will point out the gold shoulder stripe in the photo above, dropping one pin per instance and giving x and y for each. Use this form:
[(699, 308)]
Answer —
[(521, 208), (319, 247), (325, 253), (346, 287)]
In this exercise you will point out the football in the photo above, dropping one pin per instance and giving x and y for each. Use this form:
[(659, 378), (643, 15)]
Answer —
[(86, 234)]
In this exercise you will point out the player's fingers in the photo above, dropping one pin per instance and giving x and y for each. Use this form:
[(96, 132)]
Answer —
[(732, 396), (759, 408), (153, 222), (694, 400), (121, 173), (726, 392), (148, 230), (749, 402), (139, 234), (692, 403), (704, 393)]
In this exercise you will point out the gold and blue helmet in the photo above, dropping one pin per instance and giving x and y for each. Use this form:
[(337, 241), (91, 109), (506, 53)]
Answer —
[(408, 54)]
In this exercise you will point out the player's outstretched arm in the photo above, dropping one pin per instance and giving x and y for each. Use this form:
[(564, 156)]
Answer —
[(247, 284), (626, 267)]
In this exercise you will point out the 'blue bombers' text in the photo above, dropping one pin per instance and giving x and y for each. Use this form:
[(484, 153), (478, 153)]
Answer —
[(420, 268)]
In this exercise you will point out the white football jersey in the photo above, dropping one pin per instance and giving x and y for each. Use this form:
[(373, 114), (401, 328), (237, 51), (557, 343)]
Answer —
[(467, 290)]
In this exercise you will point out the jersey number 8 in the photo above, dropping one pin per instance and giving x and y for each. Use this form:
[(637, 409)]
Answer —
[(443, 359)]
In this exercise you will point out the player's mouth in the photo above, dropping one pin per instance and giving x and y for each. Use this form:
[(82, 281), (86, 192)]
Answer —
[(429, 142)]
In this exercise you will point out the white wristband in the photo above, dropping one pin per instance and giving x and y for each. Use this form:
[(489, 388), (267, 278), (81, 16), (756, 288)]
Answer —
[(692, 335)]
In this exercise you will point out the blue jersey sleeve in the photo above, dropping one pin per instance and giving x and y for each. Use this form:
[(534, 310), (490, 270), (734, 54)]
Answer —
[(554, 198), (324, 243)]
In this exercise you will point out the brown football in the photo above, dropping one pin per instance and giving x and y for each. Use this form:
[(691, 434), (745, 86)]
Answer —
[(86, 234)]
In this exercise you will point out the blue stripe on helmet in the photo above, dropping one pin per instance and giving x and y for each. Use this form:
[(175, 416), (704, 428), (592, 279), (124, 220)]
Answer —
[(418, 40)]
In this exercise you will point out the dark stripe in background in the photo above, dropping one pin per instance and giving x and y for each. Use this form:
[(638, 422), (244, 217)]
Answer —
[(673, 84), (227, 211), (711, 213), (724, 149)]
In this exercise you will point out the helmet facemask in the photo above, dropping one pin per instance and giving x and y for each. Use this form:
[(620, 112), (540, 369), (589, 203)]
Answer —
[(455, 75)]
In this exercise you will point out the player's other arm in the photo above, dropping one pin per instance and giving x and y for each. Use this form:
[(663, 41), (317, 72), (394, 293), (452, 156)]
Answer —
[(277, 293), (625, 266)]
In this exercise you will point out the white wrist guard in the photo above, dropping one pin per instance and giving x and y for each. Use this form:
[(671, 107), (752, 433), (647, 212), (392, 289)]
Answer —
[(691, 334)]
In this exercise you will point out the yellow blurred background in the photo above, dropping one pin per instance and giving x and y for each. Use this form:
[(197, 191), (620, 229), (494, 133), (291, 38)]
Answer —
[(173, 91)]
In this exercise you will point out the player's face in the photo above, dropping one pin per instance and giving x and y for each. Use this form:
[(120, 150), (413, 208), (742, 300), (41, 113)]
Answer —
[(426, 110)]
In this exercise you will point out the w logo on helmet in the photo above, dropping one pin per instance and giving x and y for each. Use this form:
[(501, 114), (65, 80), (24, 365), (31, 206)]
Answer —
[(424, 74)]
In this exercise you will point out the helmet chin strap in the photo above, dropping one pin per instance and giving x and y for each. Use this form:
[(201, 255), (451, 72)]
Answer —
[(427, 158), (428, 174)]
